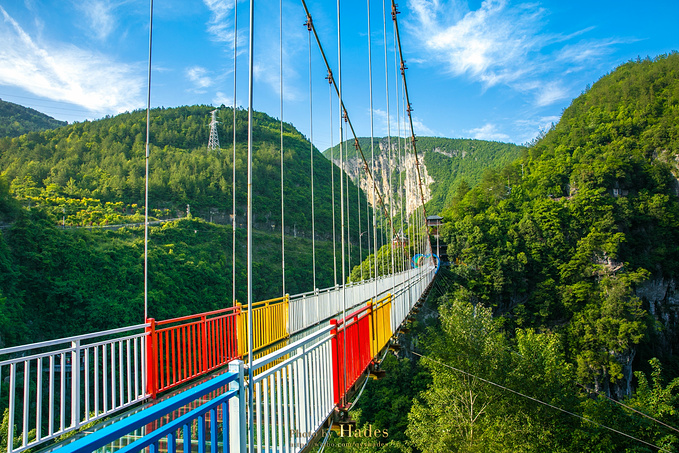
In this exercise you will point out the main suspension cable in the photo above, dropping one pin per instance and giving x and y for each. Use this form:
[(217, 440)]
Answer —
[(343, 111), (394, 13)]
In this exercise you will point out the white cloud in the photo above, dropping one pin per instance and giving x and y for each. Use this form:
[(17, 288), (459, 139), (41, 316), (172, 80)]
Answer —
[(199, 77), (66, 72), (382, 128), (222, 98), (488, 132), (221, 21), (99, 16), (489, 44), (503, 43), (549, 93), (528, 129)]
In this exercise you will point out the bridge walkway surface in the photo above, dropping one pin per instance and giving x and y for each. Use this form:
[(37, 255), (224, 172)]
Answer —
[(189, 373)]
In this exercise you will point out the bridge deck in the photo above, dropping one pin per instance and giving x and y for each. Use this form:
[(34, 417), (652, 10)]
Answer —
[(306, 357)]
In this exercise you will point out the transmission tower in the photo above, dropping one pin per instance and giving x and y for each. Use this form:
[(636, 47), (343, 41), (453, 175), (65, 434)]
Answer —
[(213, 143)]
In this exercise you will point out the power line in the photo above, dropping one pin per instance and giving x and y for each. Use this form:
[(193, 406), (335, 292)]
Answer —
[(83, 110), (628, 407), (541, 402)]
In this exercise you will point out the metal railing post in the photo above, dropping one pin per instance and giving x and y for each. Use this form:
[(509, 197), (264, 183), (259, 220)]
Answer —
[(203, 326), (151, 359), (75, 383), (237, 424)]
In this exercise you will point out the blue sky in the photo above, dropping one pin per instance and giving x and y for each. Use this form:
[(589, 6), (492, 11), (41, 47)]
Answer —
[(496, 70)]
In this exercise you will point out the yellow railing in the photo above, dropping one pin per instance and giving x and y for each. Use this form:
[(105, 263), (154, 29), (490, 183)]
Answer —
[(380, 324), (269, 323)]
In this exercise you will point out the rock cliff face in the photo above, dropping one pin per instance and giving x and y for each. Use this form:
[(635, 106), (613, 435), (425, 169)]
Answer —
[(662, 301), (443, 164), (401, 171)]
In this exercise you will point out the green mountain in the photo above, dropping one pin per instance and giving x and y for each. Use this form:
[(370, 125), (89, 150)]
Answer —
[(92, 173), (59, 277), (445, 163), (585, 237), (16, 120), (559, 329)]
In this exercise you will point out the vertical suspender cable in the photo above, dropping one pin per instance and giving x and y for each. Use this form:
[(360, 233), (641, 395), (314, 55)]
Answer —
[(345, 174), (409, 109), (251, 426), (372, 150), (390, 168), (360, 234), (233, 162), (341, 119), (146, 192), (402, 187), (282, 155), (311, 150), (332, 183)]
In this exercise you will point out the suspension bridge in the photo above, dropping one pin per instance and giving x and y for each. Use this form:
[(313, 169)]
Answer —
[(260, 376)]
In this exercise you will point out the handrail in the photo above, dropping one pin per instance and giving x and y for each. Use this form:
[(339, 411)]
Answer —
[(87, 336), (105, 436), (199, 315), (258, 363)]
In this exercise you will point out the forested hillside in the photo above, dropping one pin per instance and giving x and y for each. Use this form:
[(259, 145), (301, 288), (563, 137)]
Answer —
[(16, 120), (93, 172), (58, 277), (565, 275)]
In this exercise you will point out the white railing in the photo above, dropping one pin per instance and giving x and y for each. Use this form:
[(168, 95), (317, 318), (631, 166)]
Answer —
[(60, 385), (311, 308), (294, 396)]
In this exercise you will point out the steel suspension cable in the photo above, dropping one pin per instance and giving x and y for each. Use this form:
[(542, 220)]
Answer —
[(282, 154), (390, 172), (251, 44), (372, 150), (343, 257), (346, 185), (401, 159), (343, 111), (233, 163), (311, 150), (360, 234), (146, 191), (394, 13), (332, 181)]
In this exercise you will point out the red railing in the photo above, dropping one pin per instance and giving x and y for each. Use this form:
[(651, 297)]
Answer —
[(350, 350), (190, 346)]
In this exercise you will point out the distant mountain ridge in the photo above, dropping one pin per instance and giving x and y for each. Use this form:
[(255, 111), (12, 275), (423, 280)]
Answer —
[(445, 163), (16, 120)]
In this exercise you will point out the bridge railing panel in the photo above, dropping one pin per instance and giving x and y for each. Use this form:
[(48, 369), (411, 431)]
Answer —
[(350, 350), (380, 324), (293, 396), (221, 420), (269, 323), (58, 386), (314, 307), (190, 346)]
